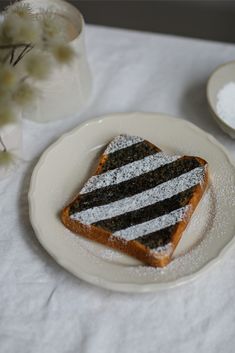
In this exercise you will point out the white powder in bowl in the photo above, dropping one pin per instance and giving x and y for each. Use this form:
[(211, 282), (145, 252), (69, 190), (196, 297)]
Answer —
[(225, 106)]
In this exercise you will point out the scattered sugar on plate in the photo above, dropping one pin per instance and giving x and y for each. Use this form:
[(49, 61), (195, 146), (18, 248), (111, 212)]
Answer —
[(225, 106), (213, 229)]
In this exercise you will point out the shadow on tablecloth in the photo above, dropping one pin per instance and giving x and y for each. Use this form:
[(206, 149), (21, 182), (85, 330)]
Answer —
[(195, 108), (24, 221), (29, 237)]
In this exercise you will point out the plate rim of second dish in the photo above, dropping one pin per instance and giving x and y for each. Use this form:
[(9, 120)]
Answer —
[(126, 287)]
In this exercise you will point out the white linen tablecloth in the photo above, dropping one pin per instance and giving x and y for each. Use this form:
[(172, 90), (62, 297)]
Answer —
[(45, 309)]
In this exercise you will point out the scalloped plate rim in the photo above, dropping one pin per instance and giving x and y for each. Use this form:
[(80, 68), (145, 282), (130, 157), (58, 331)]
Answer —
[(107, 284)]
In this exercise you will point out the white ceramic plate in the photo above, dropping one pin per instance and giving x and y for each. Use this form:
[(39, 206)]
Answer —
[(66, 165)]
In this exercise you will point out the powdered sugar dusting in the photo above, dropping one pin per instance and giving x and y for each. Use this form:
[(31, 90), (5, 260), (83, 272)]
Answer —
[(128, 171), (226, 103), (213, 229), (194, 256), (153, 225), (145, 198), (122, 141), (209, 231), (165, 249)]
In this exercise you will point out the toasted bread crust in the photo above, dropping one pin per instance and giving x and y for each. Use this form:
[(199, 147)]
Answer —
[(135, 248)]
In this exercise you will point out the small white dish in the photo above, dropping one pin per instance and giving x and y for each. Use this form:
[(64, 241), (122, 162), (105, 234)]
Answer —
[(66, 165), (218, 79)]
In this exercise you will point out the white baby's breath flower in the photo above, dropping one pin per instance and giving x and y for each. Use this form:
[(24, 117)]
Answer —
[(63, 53), (36, 41), (10, 28), (24, 94), (38, 65), (50, 27), (53, 27), (16, 29), (29, 31), (21, 9)]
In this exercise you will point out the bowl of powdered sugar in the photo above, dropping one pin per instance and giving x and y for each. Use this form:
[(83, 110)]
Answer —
[(221, 97)]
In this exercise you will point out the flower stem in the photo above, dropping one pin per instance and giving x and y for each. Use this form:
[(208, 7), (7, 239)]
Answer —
[(3, 145), (26, 49), (12, 55), (14, 46)]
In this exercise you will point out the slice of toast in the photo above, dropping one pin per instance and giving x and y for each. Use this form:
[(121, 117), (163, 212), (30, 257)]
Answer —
[(139, 200)]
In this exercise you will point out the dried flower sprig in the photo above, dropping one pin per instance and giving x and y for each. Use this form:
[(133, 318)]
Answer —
[(6, 157), (30, 44), (63, 53), (23, 10)]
